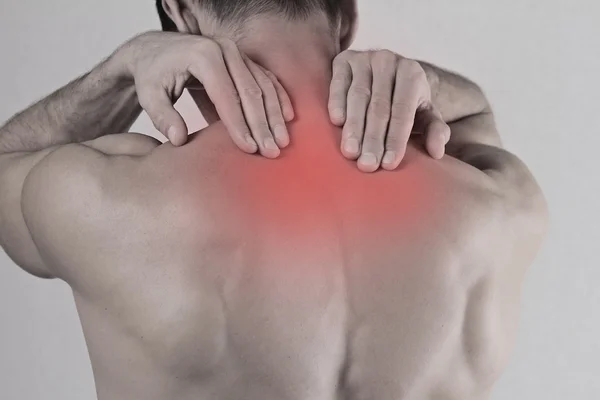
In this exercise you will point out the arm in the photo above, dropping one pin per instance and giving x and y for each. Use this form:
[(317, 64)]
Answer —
[(154, 68), (463, 106), (99, 102)]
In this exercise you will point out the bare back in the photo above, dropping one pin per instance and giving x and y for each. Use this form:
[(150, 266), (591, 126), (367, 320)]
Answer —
[(203, 273)]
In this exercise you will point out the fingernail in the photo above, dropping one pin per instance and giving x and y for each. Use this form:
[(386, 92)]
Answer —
[(389, 157), (282, 137), (447, 134), (280, 132), (338, 114), (368, 159), (251, 142), (270, 144), (171, 132), (351, 146), (288, 115)]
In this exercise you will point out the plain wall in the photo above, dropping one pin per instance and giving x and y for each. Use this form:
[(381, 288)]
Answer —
[(539, 63)]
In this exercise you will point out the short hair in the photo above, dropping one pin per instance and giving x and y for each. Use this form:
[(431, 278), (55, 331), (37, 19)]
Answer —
[(240, 10)]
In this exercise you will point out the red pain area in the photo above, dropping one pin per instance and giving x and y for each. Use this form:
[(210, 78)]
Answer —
[(311, 188)]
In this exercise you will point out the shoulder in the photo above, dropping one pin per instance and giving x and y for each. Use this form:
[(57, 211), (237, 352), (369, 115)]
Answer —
[(509, 214), (79, 195), (86, 166), (506, 179)]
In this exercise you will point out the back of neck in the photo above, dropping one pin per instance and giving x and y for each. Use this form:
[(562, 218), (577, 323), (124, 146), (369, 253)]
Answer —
[(300, 55)]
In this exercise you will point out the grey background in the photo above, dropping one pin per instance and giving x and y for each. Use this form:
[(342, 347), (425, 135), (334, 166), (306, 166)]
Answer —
[(539, 63)]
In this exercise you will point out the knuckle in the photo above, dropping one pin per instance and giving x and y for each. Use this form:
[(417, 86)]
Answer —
[(384, 57), (380, 108), (221, 41), (271, 76), (242, 130), (413, 69), (234, 97), (374, 136), (339, 78), (373, 142), (252, 92), (261, 128), (400, 123), (339, 61), (392, 143), (400, 109), (354, 126), (388, 53), (274, 113), (354, 136), (266, 84), (277, 125), (360, 91), (361, 66), (349, 54)]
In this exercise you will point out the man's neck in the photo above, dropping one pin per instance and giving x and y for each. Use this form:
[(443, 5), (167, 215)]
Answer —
[(300, 55)]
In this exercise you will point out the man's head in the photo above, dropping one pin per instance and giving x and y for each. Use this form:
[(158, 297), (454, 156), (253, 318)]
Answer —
[(190, 15)]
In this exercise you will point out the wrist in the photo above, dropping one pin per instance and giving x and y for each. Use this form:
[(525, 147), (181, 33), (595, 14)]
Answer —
[(117, 68)]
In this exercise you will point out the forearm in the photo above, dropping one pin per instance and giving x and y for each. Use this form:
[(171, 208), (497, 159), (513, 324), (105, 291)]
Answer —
[(103, 101)]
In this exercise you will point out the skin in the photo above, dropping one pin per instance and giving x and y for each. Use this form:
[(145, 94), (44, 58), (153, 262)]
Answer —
[(379, 98), (202, 272)]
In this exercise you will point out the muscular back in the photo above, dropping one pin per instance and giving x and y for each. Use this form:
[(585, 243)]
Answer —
[(201, 272)]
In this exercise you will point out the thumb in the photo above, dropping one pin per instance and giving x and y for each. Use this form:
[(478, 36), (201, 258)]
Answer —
[(430, 122), (165, 118)]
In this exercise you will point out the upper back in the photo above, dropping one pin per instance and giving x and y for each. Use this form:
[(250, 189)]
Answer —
[(312, 197), (188, 198)]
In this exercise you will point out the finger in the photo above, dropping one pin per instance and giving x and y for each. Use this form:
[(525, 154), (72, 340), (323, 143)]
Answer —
[(430, 122), (359, 97), (284, 99), (408, 94), (272, 105), (163, 115), (217, 82), (338, 91), (379, 111), (252, 100)]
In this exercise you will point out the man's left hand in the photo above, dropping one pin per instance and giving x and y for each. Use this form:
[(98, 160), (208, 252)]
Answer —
[(380, 98)]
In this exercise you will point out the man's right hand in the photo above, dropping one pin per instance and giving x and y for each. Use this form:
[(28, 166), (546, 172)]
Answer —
[(249, 100)]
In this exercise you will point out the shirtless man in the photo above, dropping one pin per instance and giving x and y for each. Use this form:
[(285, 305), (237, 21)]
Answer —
[(203, 272)]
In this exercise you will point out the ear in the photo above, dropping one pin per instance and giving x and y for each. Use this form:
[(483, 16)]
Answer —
[(349, 23), (181, 16)]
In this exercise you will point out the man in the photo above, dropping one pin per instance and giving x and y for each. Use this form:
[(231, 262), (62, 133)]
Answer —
[(202, 272)]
